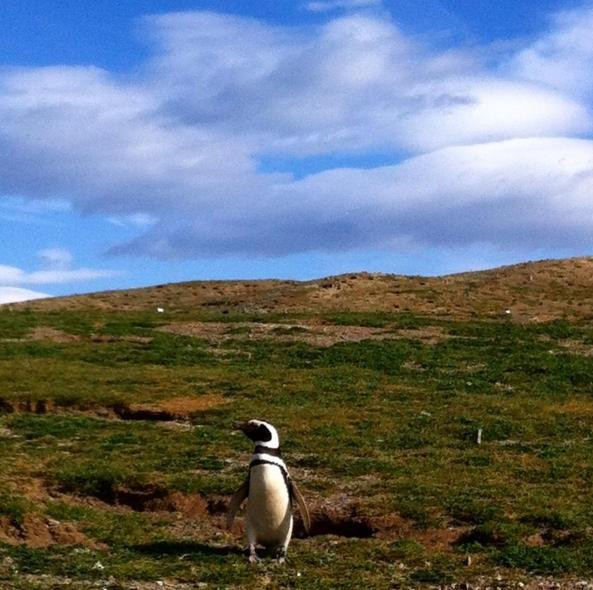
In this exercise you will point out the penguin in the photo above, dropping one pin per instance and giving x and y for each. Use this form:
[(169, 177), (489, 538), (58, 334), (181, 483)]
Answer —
[(269, 491)]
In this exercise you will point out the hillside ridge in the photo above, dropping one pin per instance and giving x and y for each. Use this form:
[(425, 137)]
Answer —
[(541, 290)]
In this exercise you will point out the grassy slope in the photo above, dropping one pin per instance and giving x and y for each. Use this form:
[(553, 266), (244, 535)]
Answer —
[(537, 291), (379, 432)]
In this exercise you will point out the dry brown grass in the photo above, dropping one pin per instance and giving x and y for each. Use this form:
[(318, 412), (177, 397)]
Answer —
[(313, 333), (532, 291)]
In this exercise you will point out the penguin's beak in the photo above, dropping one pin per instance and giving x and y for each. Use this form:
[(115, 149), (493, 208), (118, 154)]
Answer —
[(239, 425)]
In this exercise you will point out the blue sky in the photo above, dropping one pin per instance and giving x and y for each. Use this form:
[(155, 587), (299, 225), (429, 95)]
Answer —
[(148, 142)]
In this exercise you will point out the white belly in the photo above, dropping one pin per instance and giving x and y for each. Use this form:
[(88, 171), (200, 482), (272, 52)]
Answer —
[(268, 506)]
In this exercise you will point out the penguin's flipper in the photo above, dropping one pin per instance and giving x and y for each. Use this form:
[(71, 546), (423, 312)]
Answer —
[(236, 501), (302, 505)]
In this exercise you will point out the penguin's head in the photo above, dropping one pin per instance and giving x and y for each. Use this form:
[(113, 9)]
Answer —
[(260, 432)]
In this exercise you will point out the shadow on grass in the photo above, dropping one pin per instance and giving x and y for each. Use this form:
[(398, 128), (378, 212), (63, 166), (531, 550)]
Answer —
[(186, 548)]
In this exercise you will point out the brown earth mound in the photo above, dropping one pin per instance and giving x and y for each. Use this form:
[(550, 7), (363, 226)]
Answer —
[(176, 408), (39, 532)]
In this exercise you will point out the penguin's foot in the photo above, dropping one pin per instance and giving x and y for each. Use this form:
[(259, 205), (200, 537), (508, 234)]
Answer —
[(281, 555), (253, 558)]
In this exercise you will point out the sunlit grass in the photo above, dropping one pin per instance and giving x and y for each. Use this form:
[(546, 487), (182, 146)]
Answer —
[(391, 424)]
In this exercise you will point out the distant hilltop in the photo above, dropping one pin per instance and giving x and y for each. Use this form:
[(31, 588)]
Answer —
[(528, 292)]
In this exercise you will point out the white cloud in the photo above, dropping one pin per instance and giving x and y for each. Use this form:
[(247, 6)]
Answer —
[(14, 295), (561, 58), (174, 150), (473, 110), (30, 211), (57, 263), (355, 83), (329, 5), (11, 275), (141, 220), (529, 193)]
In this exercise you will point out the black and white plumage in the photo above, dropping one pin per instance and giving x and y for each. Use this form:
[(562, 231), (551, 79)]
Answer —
[(269, 491)]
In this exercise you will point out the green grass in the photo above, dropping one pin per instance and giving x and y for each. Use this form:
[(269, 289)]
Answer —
[(391, 423), (13, 507)]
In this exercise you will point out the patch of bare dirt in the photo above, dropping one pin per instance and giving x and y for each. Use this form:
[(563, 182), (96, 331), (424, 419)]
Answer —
[(322, 335), (153, 498), (169, 410), (186, 406), (440, 539), (47, 334), (15, 406), (107, 338), (33, 489), (176, 410), (576, 347), (38, 532), (535, 540), (430, 335)]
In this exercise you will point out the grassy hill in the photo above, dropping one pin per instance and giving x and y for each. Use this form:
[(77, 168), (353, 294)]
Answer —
[(534, 291), (118, 455)]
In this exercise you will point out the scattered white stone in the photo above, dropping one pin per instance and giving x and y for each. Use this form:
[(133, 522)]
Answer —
[(98, 566), (160, 310)]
